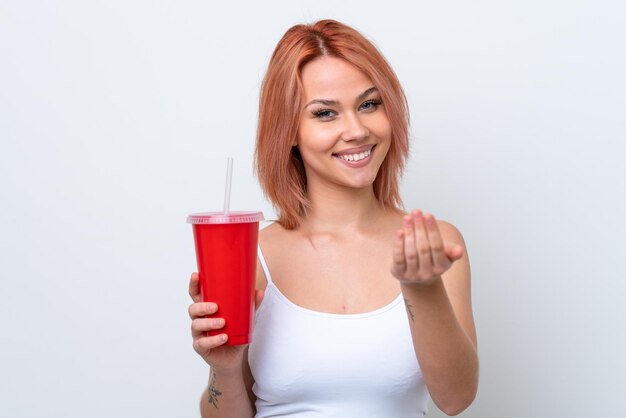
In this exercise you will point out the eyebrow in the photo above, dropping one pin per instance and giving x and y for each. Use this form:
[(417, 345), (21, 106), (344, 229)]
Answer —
[(327, 102)]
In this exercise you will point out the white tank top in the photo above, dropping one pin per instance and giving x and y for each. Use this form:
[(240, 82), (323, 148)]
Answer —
[(314, 364)]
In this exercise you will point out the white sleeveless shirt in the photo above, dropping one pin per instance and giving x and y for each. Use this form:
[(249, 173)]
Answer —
[(310, 364)]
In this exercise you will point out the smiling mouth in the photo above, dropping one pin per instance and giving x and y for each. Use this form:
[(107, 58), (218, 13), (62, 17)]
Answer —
[(357, 156)]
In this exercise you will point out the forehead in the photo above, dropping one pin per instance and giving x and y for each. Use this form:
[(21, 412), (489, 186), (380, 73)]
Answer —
[(333, 79)]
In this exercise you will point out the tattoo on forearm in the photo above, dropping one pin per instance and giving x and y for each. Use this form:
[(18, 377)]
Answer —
[(408, 310), (213, 392)]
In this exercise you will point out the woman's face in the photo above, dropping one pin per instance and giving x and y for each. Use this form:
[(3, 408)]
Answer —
[(344, 133)]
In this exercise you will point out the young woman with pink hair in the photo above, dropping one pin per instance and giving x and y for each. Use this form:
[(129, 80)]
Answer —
[(363, 309)]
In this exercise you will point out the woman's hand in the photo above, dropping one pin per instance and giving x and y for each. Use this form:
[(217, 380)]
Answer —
[(420, 255), (212, 348)]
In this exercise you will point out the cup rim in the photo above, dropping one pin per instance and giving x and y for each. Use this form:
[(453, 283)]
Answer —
[(233, 217)]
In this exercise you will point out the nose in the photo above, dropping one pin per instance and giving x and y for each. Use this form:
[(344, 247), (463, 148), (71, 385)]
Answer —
[(354, 129)]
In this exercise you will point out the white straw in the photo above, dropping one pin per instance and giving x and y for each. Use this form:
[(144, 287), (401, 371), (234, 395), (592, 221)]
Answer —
[(229, 180)]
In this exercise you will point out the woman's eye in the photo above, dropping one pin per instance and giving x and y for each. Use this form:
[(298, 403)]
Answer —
[(323, 114), (370, 105)]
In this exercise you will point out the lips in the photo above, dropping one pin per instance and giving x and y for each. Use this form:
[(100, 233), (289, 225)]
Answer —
[(355, 154), (355, 157)]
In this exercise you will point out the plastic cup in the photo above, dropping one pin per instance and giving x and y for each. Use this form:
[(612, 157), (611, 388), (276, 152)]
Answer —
[(226, 251)]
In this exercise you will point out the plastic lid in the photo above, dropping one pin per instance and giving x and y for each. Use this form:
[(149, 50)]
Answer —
[(222, 218)]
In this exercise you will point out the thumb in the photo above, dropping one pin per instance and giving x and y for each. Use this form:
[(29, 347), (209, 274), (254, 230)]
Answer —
[(194, 288), (258, 297), (453, 251)]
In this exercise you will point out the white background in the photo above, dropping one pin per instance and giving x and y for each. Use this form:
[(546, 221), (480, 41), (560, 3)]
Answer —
[(116, 118)]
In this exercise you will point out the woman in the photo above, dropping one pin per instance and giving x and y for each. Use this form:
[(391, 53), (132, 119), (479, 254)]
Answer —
[(365, 309)]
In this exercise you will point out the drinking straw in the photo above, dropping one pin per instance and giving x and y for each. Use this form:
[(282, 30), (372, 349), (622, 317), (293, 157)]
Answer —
[(229, 180)]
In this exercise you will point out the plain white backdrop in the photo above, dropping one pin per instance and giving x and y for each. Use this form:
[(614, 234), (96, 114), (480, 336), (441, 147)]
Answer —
[(116, 118)]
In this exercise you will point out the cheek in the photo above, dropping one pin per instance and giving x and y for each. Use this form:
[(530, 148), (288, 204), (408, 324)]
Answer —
[(316, 139), (383, 128), (383, 133)]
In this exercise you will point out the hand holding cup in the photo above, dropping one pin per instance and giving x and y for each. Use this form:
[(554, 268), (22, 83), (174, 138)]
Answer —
[(212, 348)]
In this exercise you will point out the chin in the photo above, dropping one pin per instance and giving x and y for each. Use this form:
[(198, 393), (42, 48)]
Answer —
[(364, 182)]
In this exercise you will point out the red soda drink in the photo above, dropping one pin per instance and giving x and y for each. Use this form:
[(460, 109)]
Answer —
[(226, 252)]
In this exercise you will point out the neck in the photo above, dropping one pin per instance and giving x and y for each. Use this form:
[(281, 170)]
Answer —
[(339, 210)]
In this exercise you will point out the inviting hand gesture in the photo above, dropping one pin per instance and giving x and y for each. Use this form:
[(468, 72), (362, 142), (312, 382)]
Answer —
[(420, 255)]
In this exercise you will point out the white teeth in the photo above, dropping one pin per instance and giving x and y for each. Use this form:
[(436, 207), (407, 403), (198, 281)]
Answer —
[(355, 157)]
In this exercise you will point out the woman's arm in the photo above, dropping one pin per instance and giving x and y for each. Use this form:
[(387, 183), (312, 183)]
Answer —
[(431, 262), (229, 393), (226, 396)]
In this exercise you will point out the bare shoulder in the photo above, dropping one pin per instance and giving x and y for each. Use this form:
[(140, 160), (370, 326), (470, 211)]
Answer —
[(270, 237), (270, 232), (450, 233)]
